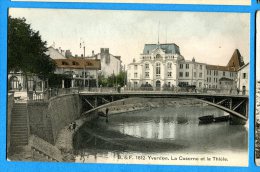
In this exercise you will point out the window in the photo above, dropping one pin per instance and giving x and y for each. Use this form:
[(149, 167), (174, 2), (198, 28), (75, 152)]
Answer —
[(244, 75), (158, 69), (64, 63), (158, 56), (195, 74), (200, 84), (181, 74), (181, 66), (75, 63), (146, 66), (135, 84), (169, 74), (147, 74), (200, 67), (200, 75), (187, 74), (216, 73), (14, 82), (135, 75), (169, 65), (135, 67), (187, 66), (224, 73)]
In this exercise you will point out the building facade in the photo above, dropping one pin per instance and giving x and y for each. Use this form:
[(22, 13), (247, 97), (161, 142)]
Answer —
[(110, 64), (162, 65), (156, 66), (79, 71), (243, 79)]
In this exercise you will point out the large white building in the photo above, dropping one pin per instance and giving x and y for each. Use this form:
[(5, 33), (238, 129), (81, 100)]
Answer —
[(157, 66), (162, 65)]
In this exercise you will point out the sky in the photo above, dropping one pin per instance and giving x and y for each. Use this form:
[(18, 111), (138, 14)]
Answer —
[(209, 37)]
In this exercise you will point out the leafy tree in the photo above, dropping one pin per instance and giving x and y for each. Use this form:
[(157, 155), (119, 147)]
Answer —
[(113, 80), (26, 50)]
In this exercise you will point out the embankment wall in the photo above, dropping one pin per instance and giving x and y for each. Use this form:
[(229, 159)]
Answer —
[(47, 118)]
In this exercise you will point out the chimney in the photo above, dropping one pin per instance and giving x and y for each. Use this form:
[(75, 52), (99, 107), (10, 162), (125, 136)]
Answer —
[(102, 50), (93, 53)]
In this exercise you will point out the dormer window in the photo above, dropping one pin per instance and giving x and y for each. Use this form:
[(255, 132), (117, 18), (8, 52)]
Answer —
[(89, 64), (64, 63), (75, 63)]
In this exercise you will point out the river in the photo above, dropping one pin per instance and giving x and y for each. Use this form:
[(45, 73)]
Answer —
[(163, 135)]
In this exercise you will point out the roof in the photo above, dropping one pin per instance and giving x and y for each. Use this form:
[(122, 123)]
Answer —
[(234, 64), (221, 68), (169, 48), (236, 60), (57, 54), (243, 67), (78, 63)]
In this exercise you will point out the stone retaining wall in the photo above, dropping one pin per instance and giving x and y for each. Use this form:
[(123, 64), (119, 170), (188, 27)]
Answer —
[(9, 111), (47, 118), (40, 120), (64, 109)]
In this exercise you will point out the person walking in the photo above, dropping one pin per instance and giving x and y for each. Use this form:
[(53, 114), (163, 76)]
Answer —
[(107, 114)]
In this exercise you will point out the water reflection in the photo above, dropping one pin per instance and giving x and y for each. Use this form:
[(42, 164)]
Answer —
[(165, 129)]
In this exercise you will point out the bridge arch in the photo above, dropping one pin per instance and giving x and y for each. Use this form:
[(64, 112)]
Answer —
[(236, 105)]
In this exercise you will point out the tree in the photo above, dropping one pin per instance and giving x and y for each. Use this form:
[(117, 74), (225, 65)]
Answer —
[(113, 80), (26, 50)]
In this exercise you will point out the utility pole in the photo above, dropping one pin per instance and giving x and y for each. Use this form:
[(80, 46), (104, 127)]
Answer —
[(124, 76), (84, 76)]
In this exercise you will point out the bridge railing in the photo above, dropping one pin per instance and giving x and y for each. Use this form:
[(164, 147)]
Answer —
[(52, 92), (172, 90)]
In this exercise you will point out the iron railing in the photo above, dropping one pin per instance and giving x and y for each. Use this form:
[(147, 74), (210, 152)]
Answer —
[(52, 92)]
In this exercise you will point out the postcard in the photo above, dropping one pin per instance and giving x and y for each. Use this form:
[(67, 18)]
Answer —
[(128, 87)]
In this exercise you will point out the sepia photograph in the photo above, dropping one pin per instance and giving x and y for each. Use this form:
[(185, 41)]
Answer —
[(128, 87)]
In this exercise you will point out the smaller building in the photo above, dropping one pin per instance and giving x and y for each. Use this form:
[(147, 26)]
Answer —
[(80, 72), (110, 64), (55, 53), (243, 79), (17, 82)]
